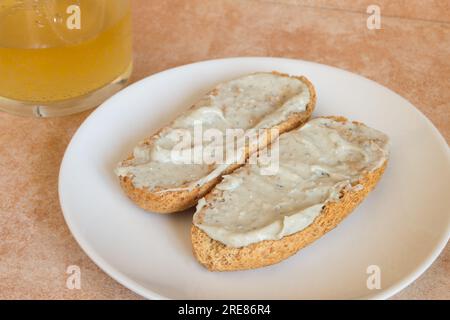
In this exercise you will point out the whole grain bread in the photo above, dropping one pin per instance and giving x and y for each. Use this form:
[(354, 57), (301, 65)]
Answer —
[(171, 201), (216, 256)]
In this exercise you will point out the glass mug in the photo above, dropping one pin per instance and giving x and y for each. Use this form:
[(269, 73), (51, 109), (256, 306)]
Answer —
[(58, 57)]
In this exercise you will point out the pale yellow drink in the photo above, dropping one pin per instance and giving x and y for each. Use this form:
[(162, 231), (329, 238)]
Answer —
[(46, 59)]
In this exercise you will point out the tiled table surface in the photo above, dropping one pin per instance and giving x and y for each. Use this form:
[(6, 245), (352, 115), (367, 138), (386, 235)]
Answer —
[(410, 55)]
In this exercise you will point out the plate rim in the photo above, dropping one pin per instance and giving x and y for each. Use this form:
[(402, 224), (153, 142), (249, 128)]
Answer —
[(135, 287)]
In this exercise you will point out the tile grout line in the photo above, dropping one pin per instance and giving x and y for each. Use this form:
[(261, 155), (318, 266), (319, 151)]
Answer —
[(352, 11)]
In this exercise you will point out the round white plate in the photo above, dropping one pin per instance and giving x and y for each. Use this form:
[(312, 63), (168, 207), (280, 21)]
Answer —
[(401, 227)]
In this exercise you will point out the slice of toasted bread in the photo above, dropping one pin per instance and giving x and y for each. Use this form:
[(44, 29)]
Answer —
[(217, 256), (170, 199)]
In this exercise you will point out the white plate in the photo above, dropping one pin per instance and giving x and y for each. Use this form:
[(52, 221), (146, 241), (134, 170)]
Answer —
[(401, 227)]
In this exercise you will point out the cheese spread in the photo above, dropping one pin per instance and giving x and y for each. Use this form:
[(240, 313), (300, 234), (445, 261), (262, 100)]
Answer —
[(256, 101), (316, 163)]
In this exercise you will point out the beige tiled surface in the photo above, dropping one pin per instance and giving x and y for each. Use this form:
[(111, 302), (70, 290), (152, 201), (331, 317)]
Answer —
[(410, 55)]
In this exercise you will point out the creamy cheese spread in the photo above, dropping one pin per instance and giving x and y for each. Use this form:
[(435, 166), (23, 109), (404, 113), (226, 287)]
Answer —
[(316, 162), (260, 100)]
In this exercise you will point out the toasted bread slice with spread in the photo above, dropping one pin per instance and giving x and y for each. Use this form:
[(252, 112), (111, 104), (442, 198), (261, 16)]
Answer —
[(251, 220), (157, 181)]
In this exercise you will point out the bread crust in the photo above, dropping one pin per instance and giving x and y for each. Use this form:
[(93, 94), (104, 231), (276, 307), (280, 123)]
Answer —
[(166, 202), (216, 256)]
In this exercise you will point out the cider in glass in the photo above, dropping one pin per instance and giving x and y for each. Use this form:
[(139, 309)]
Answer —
[(59, 57)]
